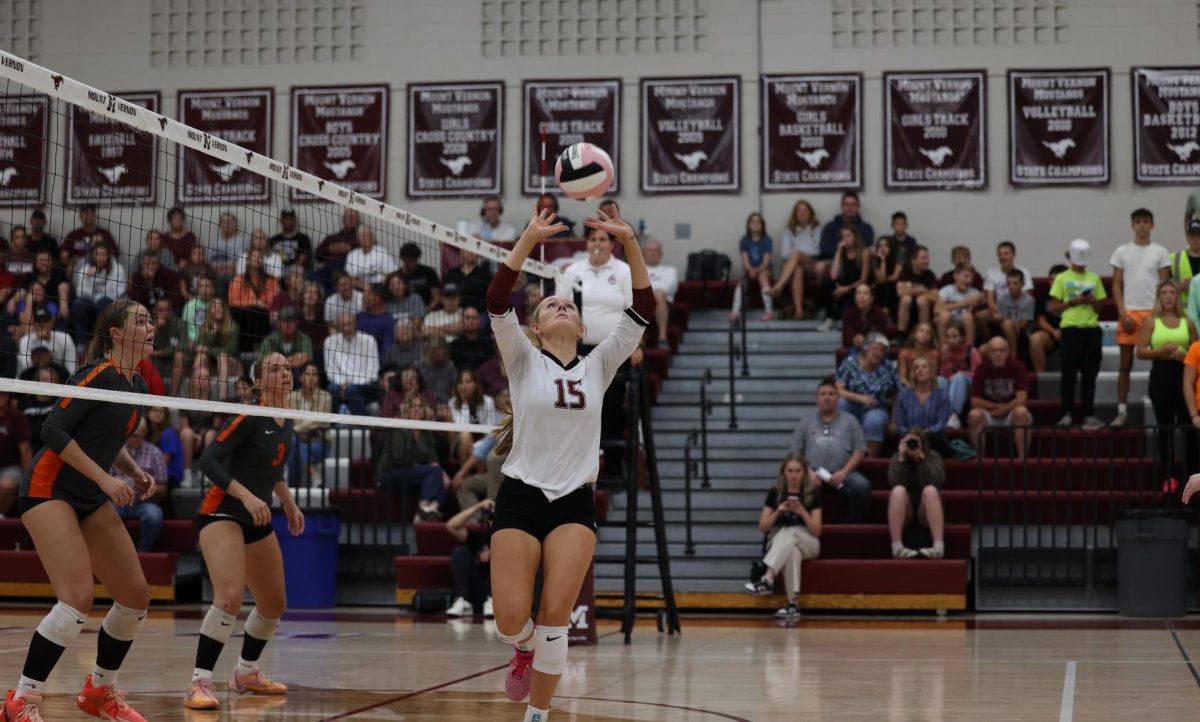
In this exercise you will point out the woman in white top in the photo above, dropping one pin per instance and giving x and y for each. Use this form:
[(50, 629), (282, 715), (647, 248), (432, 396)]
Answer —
[(99, 280), (799, 247), (607, 290), (545, 509), (469, 405)]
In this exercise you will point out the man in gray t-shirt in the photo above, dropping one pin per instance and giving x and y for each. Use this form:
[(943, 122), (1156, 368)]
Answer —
[(834, 441), (1015, 310)]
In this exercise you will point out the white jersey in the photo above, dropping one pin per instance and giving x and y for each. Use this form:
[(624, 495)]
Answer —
[(556, 408)]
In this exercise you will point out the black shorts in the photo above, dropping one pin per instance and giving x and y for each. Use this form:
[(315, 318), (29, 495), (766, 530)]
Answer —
[(82, 510), (250, 532), (524, 507)]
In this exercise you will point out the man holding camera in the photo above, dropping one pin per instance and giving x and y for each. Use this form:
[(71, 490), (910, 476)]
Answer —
[(470, 562), (916, 475)]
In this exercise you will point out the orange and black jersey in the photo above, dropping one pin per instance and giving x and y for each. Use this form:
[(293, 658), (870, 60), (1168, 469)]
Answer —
[(253, 450), (99, 427)]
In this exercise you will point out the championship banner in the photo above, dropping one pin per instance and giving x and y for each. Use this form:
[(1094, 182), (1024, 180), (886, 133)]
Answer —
[(455, 139), (811, 132), (690, 135), (569, 112), (340, 134), (237, 116), (24, 127), (1058, 131), (109, 161), (1166, 125), (937, 130)]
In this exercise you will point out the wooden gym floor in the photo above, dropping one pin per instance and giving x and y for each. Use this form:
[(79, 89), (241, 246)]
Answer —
[(376, 665)]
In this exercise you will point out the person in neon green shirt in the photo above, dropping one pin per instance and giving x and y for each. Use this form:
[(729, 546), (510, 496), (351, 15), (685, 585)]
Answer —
[(1185, 268), (1075, 296)]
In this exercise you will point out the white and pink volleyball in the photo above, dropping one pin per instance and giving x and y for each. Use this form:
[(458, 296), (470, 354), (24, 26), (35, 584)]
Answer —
[(584, 171)]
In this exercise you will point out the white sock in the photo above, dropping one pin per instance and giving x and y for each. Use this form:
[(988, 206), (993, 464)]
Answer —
[(940, 546), (1121, 408), (768, 302), (28, 686), (244, 667), (198, 673), (897, 546), (533, 714), (103, 677)]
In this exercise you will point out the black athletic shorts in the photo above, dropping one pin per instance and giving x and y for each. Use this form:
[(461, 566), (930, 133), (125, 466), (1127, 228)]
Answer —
[(250, 532), (525, 507), (82, 510)]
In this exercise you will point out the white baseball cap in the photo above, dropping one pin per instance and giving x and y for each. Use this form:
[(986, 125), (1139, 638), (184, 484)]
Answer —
[(1080, 252)]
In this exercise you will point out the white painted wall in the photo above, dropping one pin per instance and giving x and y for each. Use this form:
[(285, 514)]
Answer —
[(106, 43)]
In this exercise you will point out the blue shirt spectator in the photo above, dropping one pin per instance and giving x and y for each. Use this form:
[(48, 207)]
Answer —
[(756, 250)]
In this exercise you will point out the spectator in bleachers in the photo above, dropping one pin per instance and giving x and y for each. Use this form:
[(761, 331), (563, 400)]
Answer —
[(548, 202), (958, 360), (310, 314), (471, 561), (472, 279), (272, 262), (160, 433), (368, 263), (867, 385), (921, 343), (290, 292), (345, 299), (374, 319), (901, 242), (26, 302), (439, 371), (243, 391), (472, 348), (39, 240), (225, 248), (196, 309), (179, 240), (999, 391), (1138, 267), (756, 250), (37, 407), (961, 255), (959, 301), (799, 247), (1075, 297), (831, 234), (885, 272), (153, 244), (995, 280), (170, 343), (407, 347), (197, 428), (403, 306), (492, 376), (924, 403), (41, 358), (833, 441), (607, 288), (310, 435), (331, 253), (917, 289), (533, 297), (862, 319), (422, 280), (18, 259), (52, 278), (402, 386), (98, 282), (151, 281), (1046, 335), (293, 245), (489, 227), (197, 267), (469, 405), (218, 342), (15, 451), (352, 363), (147, 511), (289, 341), (664, 281), (1185, 267), (1012, 309), (480, 476), (850, 268), (408, 462), (250, 297), (77, 244), (916, 475), (1165, 340), (445, 322), (791, 519), (42, 334)]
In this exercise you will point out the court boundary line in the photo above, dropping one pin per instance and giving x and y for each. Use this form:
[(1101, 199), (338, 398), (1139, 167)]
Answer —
[(1182, 651), (1066, 711)]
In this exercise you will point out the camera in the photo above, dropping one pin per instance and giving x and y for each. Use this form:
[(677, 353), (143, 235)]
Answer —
[(912, 444)]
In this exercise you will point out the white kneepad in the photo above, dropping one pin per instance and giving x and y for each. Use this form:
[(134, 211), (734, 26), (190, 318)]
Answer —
[(62, 625), (217, 625), (260, 627), (551, 655), (123, 623), (525, 633)]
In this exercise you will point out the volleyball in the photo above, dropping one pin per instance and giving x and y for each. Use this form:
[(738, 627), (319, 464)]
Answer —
[(584, 171)]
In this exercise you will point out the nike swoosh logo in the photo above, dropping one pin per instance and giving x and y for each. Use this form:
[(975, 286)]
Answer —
[(270, 432), (551, 639), (80, 621), (226, 624)]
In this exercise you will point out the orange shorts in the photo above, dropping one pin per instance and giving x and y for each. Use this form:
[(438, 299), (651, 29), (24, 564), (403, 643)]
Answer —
[(1130, 339)]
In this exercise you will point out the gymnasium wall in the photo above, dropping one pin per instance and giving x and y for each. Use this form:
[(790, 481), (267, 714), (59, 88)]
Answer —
[(194, 44)]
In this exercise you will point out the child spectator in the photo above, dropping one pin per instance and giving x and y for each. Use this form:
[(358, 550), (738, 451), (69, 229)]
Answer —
[(1047, 335), (755, 250), (916, 288), (902, 243), (960, 255), (959, 302), (1075, 297), (921, 344), (885, 272), (1013, 310)]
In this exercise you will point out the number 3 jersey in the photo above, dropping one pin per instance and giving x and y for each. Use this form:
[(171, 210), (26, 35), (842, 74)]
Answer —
[(556, 408), (254, 451)]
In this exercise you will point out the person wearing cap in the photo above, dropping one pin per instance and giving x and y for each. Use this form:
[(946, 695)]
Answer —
[(42, 335), (445, 322), (1185, 268), (293, 246), (287, 339), (1075, 296), (1138, 267)]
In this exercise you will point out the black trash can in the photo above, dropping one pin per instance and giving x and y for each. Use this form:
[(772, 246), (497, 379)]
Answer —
[(1152, 567)]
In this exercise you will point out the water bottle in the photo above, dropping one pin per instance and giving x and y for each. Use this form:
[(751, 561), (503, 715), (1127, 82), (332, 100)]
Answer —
[(643, 226)]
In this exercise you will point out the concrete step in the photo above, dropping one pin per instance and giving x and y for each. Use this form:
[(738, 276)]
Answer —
[(749, 549), (708, 532), (717, 359), (720, 376), (690, 411), (783, 387), (1106, 385), (684, 567), (746, 515), (701, 499), (755, 470), (782, 426), (736, 440), (768, 398)]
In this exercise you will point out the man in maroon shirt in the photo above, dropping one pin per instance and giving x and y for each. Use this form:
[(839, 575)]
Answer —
[(77, 243), (15, 451), (998, 394), (153, 281)]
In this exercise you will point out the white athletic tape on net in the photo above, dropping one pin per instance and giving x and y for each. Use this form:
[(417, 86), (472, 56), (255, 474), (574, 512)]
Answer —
[(13, 386), (56, 85)]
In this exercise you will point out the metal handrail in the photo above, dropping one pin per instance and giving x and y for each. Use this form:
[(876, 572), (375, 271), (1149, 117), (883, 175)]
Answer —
[(689, 547), (733, 351), (706, 408)]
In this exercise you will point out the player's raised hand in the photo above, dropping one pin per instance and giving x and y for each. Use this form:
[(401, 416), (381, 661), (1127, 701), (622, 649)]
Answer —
[(1193, 485), (542, 225), (610, 223)]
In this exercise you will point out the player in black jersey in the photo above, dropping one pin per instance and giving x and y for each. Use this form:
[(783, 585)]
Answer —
[(64, 503), (245, 465)]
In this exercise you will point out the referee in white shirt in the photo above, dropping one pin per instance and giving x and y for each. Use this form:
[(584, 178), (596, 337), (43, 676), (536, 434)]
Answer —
[(545, 509)]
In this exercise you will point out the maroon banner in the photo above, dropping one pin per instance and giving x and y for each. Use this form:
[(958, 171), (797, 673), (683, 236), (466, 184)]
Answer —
[(937, 130), (569, 112), (1058, 132), (455, 139), (24, 126), (1166, 125), (691, 135), (811, 132), (340, 133), (109, 161), (243, 117)]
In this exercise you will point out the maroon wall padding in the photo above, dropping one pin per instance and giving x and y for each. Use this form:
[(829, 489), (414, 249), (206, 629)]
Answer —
[(962, 507), (871, 541), (178, 535), (884, 576), (434, 541), (705, 294), (24, 566), (419, 572), (681, 314), (1032, 474)]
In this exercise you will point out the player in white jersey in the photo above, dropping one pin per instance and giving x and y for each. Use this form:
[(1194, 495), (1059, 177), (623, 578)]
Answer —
[(545, 509)]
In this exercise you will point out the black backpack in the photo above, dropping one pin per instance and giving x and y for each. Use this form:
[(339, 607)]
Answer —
[(708, 266), (428, 600)]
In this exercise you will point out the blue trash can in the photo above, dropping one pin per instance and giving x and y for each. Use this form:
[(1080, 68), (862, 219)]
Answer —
[(310, 561)]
